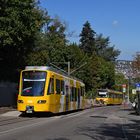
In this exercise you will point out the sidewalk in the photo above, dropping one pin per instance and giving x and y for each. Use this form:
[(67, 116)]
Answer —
[(6, 109)]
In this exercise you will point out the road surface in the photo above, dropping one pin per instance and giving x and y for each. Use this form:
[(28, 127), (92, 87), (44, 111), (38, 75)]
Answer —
[(102, 123)]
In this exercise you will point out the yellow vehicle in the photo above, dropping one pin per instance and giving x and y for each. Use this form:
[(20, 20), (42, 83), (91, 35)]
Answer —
[(109, 97), (45, 89)]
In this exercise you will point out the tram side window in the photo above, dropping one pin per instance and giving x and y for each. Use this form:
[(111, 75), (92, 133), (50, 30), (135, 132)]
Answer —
[(51, 86), (109, 95), (71, 94), (79, 92), (57, 86), (118, 96), (82, 91), (62, 87), (75, 94), (112, 96), (121, 96)]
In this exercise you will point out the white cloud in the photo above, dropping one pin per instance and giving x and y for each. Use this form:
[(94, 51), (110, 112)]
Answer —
[(115, 23)]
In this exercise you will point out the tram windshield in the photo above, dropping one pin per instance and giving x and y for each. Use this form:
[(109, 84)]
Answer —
[(33, 83), (102, 93)]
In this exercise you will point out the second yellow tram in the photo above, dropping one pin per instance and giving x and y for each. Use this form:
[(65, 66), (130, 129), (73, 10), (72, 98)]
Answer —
[(109, 97)]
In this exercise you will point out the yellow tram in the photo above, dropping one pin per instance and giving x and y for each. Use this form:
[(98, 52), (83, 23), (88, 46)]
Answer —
[(109, 97), (45, 89)]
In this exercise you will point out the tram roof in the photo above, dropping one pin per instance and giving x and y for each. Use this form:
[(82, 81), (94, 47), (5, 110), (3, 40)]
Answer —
[(110, 90), (51, 69)]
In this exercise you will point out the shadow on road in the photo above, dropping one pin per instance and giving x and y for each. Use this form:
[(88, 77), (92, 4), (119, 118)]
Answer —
[(58, 139), (47, 114), (99, 129)]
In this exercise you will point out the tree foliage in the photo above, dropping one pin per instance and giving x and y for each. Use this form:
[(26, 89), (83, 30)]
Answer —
[(119, 81), (136, 62), (100, 72), (19, 23), (104, 49), (29, 36), (136, 67), (87, 39)]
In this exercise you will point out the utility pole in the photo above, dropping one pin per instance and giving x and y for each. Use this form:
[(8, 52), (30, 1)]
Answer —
[(68, 64), (69, 72), (128, 90), (68, 68)]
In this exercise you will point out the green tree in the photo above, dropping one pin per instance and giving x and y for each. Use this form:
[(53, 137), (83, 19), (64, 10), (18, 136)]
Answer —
[(106, 73), (51, 43), (39, 58), (55, 40), (119, 81), (74, 55), (87, 39), (104, 49), (100, 72), (136, 66), (19, 23)]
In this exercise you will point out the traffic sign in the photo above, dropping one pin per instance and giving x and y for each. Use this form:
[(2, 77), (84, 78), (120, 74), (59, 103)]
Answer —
[(137, 86), (124, 85), (124, 88), (133, 91)]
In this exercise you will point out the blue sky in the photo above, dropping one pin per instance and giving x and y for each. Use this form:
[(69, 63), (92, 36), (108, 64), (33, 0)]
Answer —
[(118, 19)]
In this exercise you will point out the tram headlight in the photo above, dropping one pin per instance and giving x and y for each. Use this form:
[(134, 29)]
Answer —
[(41, 101), (20, 101), (105, 102)]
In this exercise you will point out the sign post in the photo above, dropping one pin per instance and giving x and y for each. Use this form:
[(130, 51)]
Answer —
[(138, 98), (124, 91), (124, 88)]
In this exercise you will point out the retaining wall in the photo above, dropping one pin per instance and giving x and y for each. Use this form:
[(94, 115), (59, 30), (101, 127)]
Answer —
[(8, 94)]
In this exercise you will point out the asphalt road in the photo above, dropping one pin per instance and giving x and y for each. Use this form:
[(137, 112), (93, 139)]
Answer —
[(102, 123)]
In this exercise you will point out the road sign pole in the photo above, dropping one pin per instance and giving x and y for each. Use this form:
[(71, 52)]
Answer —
[(128, 92)]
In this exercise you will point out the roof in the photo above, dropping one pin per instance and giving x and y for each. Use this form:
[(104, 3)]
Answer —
[(51, 69)]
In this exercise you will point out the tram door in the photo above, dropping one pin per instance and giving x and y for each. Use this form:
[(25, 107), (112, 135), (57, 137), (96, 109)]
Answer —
[(67, 97)]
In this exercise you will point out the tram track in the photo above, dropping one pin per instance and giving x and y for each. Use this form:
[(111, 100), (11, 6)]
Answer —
[(8, 121)]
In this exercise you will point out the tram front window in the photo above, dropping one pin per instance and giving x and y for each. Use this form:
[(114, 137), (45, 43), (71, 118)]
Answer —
[(33, 83), (102, 94)]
